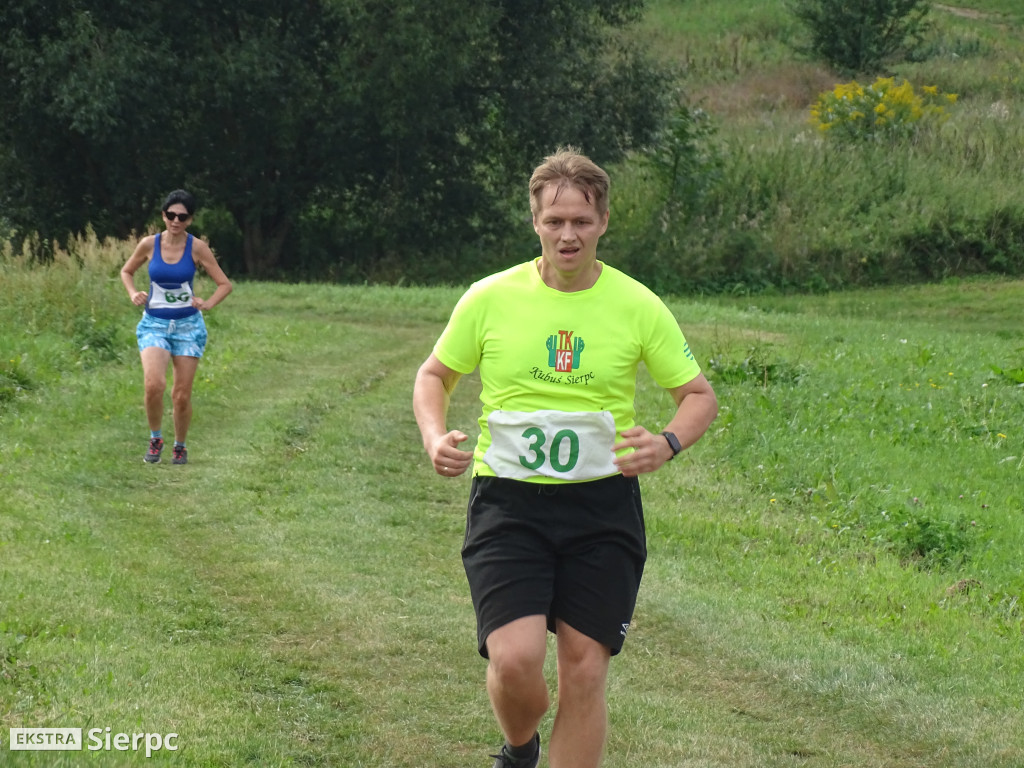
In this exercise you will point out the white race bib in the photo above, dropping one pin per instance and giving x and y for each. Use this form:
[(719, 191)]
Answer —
[(560, 444), (170, 298)]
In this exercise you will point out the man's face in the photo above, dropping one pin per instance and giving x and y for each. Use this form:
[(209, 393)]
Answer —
[(569, 227)]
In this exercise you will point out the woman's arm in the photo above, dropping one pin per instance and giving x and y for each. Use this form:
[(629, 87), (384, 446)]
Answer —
[(203, 256)]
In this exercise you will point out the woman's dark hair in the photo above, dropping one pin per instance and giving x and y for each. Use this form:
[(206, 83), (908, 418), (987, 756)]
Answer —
[(183, 197)]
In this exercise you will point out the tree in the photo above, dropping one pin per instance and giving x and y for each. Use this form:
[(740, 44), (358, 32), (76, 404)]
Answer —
[(857, 37), (411, 118), (277, 109), (112, 109), (81, 131)]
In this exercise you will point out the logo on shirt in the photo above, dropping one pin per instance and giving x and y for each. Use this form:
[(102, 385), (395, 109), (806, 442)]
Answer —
[(564, 351)]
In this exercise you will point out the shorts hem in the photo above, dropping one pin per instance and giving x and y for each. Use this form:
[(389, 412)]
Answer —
[(615, 647)]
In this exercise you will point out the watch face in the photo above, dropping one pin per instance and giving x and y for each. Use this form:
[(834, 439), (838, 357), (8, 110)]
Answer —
[(673, 442)]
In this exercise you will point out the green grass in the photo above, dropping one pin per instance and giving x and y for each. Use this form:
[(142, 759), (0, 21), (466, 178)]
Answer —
[(834, 576)]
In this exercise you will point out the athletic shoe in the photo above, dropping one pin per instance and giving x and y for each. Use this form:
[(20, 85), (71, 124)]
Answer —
[(156, 445), (180, 455), (504, 759)]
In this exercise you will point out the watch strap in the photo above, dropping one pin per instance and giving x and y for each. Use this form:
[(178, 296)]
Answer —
[(673, 443)]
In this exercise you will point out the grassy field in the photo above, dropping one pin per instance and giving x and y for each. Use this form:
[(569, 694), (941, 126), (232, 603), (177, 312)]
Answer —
[(834, 577)]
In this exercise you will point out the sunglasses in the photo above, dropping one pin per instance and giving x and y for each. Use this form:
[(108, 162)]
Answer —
[(171, 216)]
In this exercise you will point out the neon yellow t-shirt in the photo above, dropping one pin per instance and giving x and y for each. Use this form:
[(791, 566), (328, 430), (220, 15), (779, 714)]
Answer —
[(543, 350)]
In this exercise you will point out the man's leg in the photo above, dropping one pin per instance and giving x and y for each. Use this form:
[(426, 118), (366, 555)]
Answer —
[(581, 722), (515, 677)]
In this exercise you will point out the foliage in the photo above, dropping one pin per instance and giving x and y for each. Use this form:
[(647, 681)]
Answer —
[(668, 189), (683, 160), (406, 120), (784, 208), (927, 539), (83, 139), (958, 241), (734, 193), (884, 110), (13, 380), (755, 366), (861, 36), (797, 212), (1015, 375)]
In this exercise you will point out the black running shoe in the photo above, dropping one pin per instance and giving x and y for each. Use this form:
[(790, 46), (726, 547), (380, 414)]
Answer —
[(504, 759), (156, 445), (180, 455)]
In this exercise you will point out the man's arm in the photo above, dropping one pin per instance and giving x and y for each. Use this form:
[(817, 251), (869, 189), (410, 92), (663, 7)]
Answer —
[(697, 407), (431, 395)]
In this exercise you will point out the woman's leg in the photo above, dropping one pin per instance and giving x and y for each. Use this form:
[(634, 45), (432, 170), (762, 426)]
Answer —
[(154, 375), (181, 394)]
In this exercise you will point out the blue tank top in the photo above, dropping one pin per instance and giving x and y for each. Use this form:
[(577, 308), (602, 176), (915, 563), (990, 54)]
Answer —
[(170, 280)]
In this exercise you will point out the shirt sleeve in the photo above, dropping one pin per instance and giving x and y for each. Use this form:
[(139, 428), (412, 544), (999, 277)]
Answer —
[(459, 345), (667, 354)]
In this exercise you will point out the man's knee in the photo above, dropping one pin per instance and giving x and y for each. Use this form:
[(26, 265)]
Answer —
[(516, 651), (510, 663), (582, 661)]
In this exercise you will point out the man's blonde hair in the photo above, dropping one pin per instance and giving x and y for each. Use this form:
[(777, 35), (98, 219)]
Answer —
[(570, 168)]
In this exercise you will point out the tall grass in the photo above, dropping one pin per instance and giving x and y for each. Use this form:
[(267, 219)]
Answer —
[(63, 317)]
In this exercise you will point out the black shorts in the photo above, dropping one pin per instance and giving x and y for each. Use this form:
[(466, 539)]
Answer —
[(572, 551)]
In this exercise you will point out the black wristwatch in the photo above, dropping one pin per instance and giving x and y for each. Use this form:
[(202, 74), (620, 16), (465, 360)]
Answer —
[(673, 443)]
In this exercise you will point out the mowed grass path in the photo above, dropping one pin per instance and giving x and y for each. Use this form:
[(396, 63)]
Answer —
[(294, 595)]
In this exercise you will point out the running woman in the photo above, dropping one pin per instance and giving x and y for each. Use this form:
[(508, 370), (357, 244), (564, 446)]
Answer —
[(172, 329), (555, 535)]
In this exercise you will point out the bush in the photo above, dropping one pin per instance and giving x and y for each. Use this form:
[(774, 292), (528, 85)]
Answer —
[(884, 110), (955, 242), (861, 36)]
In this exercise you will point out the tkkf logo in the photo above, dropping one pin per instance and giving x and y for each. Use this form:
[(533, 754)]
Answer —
[(564, 351)]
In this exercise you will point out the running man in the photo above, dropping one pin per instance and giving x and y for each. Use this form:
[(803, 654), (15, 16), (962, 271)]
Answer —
[(555, 532)]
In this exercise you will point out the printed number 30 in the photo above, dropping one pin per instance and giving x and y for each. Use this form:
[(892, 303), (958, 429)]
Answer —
[(555, 459)]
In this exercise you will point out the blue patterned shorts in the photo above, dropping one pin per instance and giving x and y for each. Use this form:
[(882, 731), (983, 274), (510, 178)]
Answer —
[(182, 338)]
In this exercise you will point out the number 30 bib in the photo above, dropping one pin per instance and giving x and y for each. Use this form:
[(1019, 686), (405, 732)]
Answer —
[(559, 444)]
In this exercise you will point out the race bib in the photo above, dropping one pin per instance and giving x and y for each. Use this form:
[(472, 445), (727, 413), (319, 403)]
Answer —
[(170, 298), (567, 446)]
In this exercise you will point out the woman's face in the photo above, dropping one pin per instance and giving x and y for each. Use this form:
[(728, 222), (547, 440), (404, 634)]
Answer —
[(176, 217)]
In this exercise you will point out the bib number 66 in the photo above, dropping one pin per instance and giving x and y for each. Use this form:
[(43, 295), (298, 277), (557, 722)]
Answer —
[(554, 455)]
